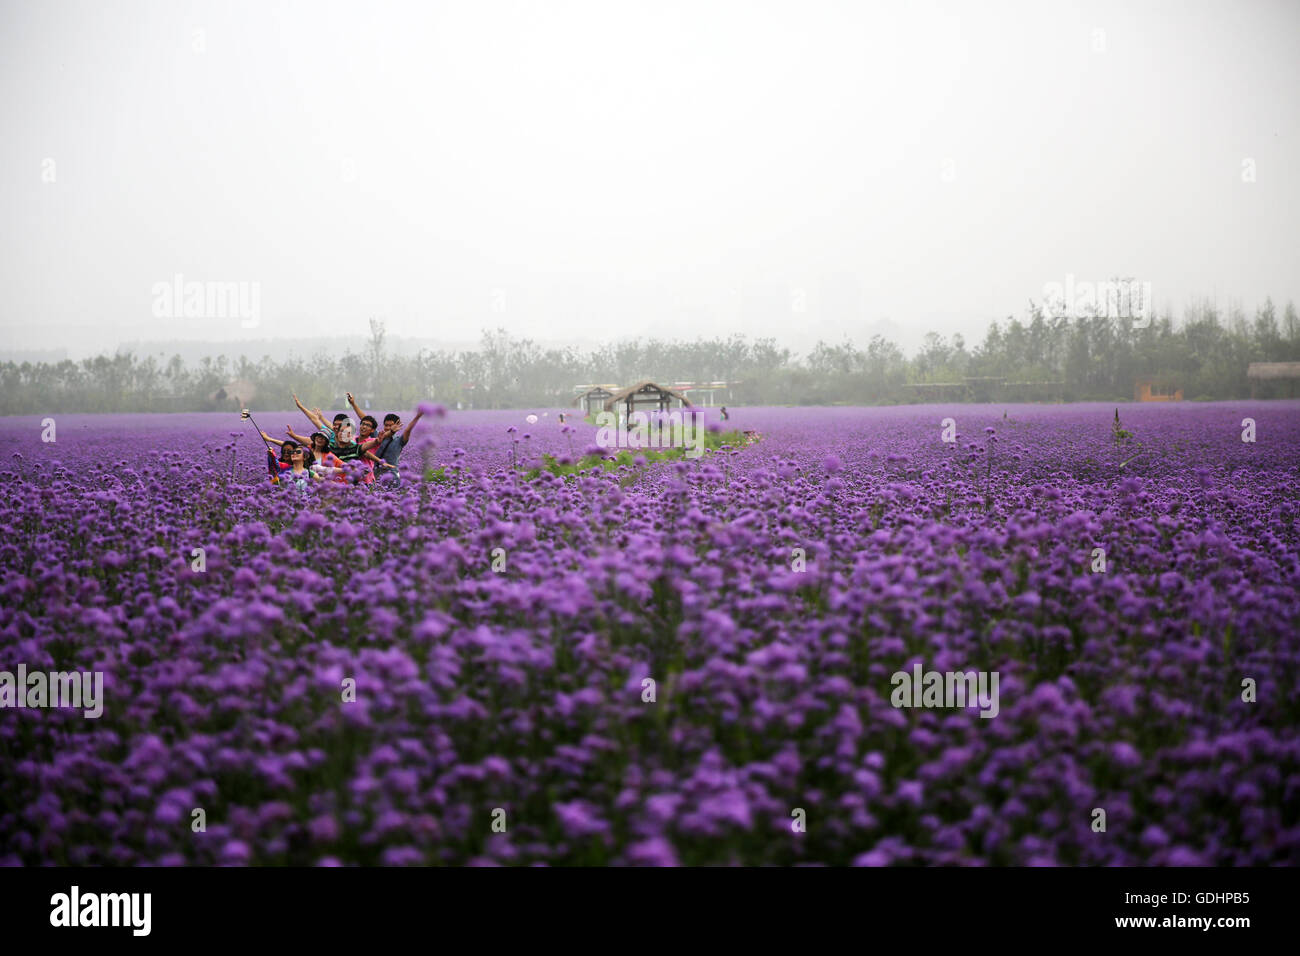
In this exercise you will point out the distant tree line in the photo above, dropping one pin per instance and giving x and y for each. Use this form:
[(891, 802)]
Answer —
[(1089, 358)]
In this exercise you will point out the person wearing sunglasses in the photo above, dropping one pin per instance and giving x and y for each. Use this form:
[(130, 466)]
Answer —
[(299, 470), (278, 466)]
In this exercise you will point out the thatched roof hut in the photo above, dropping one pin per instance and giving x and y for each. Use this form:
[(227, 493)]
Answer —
[(646, 396), (1260, 372), (1273, 370)]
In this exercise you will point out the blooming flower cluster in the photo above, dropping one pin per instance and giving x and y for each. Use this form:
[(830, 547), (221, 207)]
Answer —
[(682, 662)]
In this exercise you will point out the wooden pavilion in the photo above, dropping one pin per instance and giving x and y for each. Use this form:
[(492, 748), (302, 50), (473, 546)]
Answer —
[(645, 397), (592, 398)]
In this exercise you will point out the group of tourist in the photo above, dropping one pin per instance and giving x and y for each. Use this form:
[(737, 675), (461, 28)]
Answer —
[(338, 451)]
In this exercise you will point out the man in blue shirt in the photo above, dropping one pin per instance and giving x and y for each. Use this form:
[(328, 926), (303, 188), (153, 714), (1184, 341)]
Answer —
[(391, 445)]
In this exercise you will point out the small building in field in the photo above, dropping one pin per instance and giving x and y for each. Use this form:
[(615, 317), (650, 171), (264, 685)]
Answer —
[(1156, 390), (592, 398), (983, 388), (986, 388), (1033, 391), (240, 392), (938, 391), (705, 394), (646, 397), (1262, 375)]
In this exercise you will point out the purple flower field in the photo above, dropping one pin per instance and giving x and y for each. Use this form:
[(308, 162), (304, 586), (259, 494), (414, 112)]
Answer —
[(770, 592)]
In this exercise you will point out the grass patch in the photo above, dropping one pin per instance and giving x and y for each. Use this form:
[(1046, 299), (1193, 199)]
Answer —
[(713, 441)]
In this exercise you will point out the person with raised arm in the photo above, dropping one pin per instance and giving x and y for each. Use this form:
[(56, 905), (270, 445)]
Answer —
[(313, 416), (317, 441), (370, 435), (293, 458), (317, 418), (352, 402), (346, 449), (391, 444), (286, 444)]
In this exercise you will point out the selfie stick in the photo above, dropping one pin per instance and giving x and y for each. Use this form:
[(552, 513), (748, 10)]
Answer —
[(246, 414)]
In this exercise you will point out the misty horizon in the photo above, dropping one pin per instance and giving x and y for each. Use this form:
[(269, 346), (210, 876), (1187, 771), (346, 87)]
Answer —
[(588, 173)]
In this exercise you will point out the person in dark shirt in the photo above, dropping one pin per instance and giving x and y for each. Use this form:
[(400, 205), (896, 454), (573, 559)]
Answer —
[(390, 445), (347, 449)]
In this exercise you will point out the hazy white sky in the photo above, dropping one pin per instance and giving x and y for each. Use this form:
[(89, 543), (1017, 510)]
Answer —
[(573, 171)]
